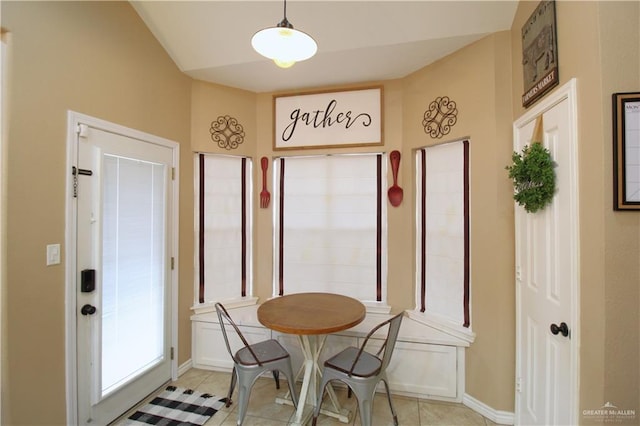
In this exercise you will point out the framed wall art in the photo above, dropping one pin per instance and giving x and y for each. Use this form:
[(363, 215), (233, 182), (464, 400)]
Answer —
[(626, 151), (539, 53), (328, 119)]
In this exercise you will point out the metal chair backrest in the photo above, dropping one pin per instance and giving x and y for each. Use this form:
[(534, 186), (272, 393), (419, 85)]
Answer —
[(388, 345), (224, 318), (392, 338)]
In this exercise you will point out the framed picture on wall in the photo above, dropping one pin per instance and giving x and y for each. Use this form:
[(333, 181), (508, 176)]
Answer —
[(328, 119), (626, 151), (539, 53)]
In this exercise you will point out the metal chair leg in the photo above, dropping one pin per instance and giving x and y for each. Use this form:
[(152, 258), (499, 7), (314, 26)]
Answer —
[(316, 411), (276, 377), (393, 411), (232, 385)]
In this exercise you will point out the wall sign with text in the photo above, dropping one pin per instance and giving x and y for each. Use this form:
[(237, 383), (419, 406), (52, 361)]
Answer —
[(328, 119), (539, 52)]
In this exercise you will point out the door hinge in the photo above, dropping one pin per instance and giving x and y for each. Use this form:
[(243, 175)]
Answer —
[(82, 130), (173, 263), (173, 173), (518, 384), (172, 353)]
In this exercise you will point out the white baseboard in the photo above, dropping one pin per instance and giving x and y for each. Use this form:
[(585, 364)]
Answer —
[(496, 416), (183, 368)]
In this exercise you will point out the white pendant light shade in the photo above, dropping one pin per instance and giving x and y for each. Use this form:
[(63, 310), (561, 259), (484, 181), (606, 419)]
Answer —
[(283, 44)]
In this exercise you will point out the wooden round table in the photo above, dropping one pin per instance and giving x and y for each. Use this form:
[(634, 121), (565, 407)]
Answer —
[(311, 313), (311, 316)]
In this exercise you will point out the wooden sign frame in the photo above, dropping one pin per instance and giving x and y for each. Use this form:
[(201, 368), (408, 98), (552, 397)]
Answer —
[(540, 53), (626, 151), (328, 119)]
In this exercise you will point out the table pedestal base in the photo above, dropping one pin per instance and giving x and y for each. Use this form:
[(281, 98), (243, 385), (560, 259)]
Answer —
[(343, 415), (311, 373)]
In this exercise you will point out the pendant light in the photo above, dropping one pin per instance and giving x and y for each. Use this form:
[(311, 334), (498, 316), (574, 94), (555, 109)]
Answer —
[(283, 44)]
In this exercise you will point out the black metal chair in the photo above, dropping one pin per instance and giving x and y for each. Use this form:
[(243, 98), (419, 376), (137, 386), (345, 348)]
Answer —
[(250, 361), (362, 371)]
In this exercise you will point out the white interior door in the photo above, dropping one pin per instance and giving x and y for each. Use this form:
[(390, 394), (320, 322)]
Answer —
[(547, 276), (123, 279)]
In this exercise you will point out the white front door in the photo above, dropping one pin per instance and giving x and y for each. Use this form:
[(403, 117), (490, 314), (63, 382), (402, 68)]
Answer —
[(122, 187), (547, 276)]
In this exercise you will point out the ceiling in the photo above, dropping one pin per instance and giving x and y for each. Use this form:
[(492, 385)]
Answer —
[(358, 41)]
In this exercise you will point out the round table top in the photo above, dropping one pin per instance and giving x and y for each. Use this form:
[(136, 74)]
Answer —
[(311, 313)]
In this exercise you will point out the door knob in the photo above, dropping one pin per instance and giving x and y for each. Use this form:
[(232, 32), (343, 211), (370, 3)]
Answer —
[(88, 310), (563, 328)]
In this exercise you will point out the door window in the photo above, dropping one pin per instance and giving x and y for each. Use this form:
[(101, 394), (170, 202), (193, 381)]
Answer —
[(133, 264)]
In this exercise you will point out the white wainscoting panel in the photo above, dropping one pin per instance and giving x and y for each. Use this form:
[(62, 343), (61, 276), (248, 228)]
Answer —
[(426, 363)]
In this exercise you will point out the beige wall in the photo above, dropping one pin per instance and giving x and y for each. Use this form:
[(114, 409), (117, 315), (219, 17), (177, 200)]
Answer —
[(599, 45), (96, 58), (208, 102), (619, 25), (476, 78)]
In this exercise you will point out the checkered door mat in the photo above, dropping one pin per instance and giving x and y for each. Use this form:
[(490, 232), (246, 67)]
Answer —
[(177, 406)]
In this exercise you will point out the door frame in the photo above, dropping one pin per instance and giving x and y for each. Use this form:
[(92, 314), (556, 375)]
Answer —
[(565, 92), (74, 119), (4, 84)]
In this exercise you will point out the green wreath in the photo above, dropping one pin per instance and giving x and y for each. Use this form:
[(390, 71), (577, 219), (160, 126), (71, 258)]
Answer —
[(534, 179)]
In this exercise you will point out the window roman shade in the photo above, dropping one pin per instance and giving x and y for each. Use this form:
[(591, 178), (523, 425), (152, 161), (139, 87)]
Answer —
[(223, 227), (442, 204), (330, 226)]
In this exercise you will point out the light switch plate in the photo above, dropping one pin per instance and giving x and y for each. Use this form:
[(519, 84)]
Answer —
[(53, 254)]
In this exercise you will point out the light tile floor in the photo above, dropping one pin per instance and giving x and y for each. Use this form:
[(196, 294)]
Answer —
[(264, 411)]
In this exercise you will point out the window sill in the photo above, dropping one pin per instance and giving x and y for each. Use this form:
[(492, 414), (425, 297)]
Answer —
[(443, 325), (412, 331), (376, 307), (203, 308)]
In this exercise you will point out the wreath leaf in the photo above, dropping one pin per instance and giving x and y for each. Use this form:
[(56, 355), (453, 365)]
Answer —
[(533, 176)]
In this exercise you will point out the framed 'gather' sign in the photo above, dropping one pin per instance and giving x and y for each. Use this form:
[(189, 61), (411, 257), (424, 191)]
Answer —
[(328, 119)]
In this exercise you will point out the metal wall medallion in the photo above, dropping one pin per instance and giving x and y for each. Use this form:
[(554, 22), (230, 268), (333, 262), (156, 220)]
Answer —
[(227, 132), (440, 117)]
